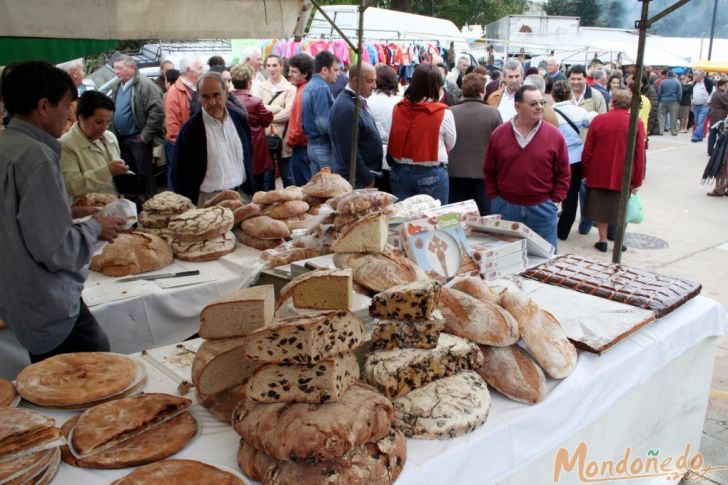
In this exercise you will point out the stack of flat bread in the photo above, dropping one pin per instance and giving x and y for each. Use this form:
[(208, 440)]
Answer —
[(306, 415), (279, 212), (428, 374), (29, 444), (219, 369), (129, 431), (80, 379), (497, 323), (158, 210), (202, 234)]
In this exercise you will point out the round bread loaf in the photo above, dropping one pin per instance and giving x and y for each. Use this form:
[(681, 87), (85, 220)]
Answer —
[(378, 463), (278, 195), (284, 210), (204, 250), (325, 184), (246, 212), (221, 196), (132, 253), (179, 471), (95, 199), (255, 243), (263, 227), (201, 224), (230, 204), (316, 432), (168, 203), (154, 220)]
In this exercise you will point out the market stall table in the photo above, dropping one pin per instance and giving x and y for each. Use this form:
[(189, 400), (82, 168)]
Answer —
[(649, 392), (146, 314)]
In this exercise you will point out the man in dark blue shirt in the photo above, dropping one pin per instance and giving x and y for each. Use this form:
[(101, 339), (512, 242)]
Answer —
[(369, 144)]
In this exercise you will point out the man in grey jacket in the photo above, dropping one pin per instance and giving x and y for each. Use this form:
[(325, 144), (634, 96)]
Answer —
[(43, 253), (138, 120), (670, 93)]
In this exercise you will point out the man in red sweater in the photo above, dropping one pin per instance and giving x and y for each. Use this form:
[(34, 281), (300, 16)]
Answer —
[(300, 69), (527, 169)]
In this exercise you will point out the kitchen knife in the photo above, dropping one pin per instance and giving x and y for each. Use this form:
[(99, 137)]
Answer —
[(160, 276)]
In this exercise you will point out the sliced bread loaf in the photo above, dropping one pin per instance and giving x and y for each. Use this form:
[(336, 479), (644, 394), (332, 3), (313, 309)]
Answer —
[(421, 333), (369, 235), (323, 289), (220, 365), (238, 313)]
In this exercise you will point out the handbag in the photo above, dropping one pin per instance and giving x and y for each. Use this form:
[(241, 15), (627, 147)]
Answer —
[(635, 214), (275, 142)]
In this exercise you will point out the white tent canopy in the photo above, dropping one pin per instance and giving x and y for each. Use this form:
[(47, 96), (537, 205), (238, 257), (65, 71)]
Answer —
[(149, 19)]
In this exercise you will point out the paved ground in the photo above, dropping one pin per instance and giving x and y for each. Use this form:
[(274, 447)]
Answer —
[(695, 228)]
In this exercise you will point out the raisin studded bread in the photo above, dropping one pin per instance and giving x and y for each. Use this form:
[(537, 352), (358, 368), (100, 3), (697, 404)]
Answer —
[(443, 409), (421, 333), (479, 321), (321, 382), (220, 365), (513, 372), (305, 340), (397, 372), (316, 432), (543, 335), (201, 224), (323, 289), (238, 313), (377, 462), (368, 235), (412, 300)]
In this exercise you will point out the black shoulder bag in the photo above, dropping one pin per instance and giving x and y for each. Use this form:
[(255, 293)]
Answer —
[(275, 142)]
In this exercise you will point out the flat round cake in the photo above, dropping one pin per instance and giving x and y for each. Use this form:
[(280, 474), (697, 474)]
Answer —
[(179, 471), (7, 392), (76, 378)]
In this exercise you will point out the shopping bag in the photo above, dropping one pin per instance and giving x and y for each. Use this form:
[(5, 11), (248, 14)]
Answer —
[(635, 214)]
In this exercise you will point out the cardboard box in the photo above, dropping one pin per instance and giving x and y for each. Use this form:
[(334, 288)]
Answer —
[(504, 272), (438, 245), (490, 264), (491, 246), (537, 246)]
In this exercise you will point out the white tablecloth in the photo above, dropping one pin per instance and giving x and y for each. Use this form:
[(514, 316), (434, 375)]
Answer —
[(145, 314), (515, 435)]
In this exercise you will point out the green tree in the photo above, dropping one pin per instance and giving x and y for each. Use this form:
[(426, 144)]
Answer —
[(588, 10)]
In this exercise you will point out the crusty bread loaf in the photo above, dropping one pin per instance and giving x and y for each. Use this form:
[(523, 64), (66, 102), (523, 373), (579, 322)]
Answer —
[(542, 333), (168, 203), (233, 205), (305, 340), (238, 313), (201, 224), (476, 287), (246, 212), (179, 471), (276, 257), (204, 250), (513, 373), (443, 409), (95, 199), (324, 381), (363, 200), (263, 227), (421, 333), (325, 184), (378, 272), (409, 301), (377, 463), (324, 289), (399, 371), (220, 365), (221, 196), (368, 235), (479, 321), (316, 432), (278, 195), (131, 253), (284, 210), (296, 222), (154, 220), (254, 242)]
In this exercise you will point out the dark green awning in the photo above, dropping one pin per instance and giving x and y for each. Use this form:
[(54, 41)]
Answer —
[(17, 49)]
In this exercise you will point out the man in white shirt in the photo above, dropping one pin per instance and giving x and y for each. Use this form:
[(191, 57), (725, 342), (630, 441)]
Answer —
[(504, 98), (213, 151)]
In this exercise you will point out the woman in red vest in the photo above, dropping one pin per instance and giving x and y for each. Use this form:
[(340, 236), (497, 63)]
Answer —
[(422, 134)]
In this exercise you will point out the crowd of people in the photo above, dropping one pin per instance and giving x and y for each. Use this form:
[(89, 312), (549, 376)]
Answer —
[(531, 145)]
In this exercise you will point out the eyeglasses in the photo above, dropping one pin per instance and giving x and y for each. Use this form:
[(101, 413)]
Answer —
[(533, 104)]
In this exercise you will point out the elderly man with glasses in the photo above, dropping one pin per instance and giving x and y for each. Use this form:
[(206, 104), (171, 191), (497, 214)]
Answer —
[(527, 167)]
